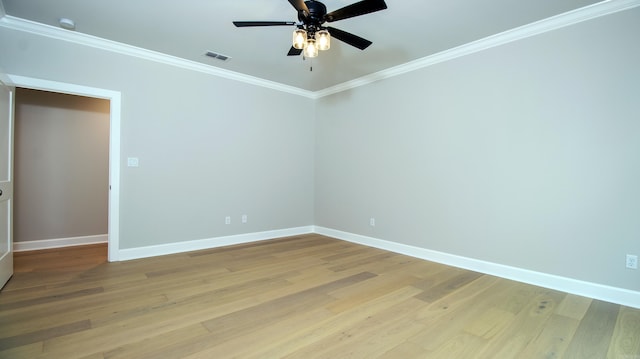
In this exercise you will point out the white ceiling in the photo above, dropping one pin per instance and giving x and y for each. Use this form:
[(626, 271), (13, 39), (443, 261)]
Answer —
[(408, 30)]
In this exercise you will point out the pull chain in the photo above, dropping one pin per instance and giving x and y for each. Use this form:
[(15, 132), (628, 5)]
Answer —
[(304, 58)]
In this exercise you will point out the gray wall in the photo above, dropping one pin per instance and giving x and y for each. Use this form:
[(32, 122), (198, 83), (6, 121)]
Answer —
[(208, 147), (61, 163), (526, 155)]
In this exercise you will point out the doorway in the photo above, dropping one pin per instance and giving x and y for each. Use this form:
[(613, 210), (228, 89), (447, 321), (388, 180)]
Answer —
[(61, 170), (114, 99)]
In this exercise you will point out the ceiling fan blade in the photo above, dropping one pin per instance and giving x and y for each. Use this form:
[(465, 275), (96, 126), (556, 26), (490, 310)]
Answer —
[(349, 38), (263, 23), (294, 52), (356, 9), (299, 5)]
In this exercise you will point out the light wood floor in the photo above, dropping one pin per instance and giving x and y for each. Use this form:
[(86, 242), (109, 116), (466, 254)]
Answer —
[(300, 297)]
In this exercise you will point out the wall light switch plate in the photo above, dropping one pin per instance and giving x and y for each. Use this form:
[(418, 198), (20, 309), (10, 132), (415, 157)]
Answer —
[(132, 161), (632, 261)]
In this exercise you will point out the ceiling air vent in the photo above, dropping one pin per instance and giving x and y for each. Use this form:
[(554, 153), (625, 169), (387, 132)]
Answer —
[(217, 56)]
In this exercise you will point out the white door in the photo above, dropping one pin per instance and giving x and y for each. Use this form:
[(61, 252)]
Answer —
[(6, 183)]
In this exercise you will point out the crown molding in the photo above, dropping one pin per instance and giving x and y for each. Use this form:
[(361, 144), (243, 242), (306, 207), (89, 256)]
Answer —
[(36, 28), (603, 8), (606, 7)]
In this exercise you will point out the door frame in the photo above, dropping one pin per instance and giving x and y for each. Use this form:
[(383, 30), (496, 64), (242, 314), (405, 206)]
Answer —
[(114, 98)]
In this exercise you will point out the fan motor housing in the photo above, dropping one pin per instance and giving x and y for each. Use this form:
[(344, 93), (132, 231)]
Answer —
[(317, 12)]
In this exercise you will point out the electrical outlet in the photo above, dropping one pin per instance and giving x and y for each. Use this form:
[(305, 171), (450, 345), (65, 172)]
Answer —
[(632, 261), (227, 220), (244, 218), (372, 222)]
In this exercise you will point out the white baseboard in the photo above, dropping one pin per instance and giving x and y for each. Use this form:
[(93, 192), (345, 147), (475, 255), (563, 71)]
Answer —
[(587, 289), (196, 245), (59, 243)]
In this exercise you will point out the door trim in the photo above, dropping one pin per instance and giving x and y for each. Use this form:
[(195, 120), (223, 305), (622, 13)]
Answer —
[(115, 99)]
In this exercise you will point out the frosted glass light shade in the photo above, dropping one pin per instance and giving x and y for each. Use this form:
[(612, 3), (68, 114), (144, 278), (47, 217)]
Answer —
[(311, 49), (299, 39), (323, 40)]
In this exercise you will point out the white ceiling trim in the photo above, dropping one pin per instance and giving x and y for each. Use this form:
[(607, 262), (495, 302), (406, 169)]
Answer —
[(536, 28), (36, 28), (569, 18)]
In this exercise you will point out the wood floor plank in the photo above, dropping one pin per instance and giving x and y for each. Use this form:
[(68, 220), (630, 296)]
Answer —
[(20, 294), (52, 298), (490, 323), (281, 347), (272, 310), (525, 326), (165, 318), (437, 276), (230, 327), (113, 296), (394, 325), (305, 296), (347, 298), (346, 254), (355, 263), (449, 316), (244, 346), (403, 265), (413, 266), (44, 334), (159, 345), (625, 342), (574, 306), (25, 280), (448, 286), (462, 345), (553, 340), (594, 334), (405, 349), (28, 351), (375, 333)]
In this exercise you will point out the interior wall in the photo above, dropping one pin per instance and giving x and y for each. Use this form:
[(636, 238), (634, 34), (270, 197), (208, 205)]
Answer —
[(208, 147), (61, 163), (526, 155)]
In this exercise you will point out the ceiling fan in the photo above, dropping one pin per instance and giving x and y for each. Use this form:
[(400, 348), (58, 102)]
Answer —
[(310, 34)]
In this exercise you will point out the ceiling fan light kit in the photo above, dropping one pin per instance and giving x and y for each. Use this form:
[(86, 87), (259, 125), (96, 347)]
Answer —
[(311, 36), (299, 39), (324, 40), (310, 48), (319, 41)]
